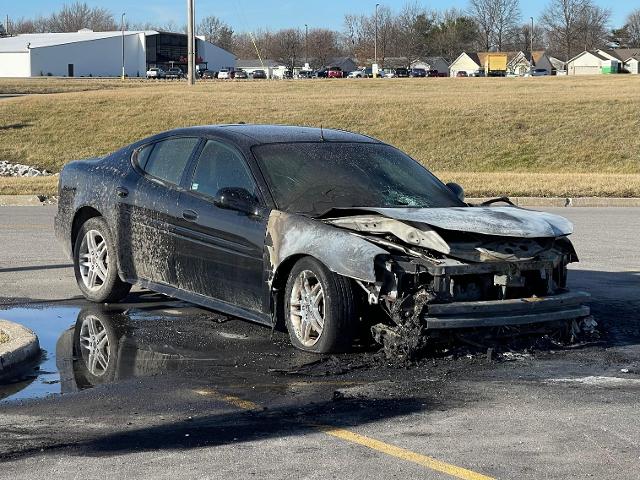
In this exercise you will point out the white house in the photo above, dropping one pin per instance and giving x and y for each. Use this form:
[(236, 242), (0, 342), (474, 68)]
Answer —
[(99, 54), (521, 64), (250, 66), (466, 62), (593, 63), (629, 58), (432, 63)]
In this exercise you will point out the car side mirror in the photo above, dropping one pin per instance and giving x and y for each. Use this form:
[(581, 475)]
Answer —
[(236, 198), (457, 190)]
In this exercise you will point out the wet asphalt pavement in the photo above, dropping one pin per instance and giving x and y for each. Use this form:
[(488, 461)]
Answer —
[(188, 393)]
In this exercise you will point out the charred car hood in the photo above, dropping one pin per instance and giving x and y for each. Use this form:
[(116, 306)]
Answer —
[(497, 221)]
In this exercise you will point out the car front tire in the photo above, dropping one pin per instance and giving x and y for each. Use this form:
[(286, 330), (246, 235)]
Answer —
[(95, 263), (320, 308)]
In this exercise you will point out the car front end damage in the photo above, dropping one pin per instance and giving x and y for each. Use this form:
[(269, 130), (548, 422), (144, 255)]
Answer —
[(490, 267)]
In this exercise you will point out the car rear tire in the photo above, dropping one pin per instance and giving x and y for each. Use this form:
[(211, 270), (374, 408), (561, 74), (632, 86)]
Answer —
[(320, 308), (95, 263)]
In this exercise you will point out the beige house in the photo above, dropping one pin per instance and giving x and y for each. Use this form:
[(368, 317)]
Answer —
[(432, 63), (629, 58), (593, 63), (467, 62), (521, 64)]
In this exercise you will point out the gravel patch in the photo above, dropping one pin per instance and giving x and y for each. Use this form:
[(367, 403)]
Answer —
[(18, 170)]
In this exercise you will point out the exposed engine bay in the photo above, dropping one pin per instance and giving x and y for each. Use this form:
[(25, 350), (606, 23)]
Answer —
[(476, 267)]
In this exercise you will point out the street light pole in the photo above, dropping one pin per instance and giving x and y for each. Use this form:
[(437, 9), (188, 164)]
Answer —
[(191, 67), (531, 40), (306, 44), (122, 29), (375, 40)]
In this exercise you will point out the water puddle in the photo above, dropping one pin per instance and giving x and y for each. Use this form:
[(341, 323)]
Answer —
[(48, 324), (89, 345)]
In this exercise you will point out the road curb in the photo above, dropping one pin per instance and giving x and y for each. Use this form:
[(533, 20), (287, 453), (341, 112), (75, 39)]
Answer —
[(20, 200), (23, 346), (568, 201)]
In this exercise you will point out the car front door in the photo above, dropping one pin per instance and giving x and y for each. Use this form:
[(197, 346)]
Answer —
[(220, 251), (147, 202)]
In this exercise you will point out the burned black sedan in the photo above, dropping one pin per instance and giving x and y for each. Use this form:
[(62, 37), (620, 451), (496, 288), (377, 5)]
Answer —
[(323, 231)]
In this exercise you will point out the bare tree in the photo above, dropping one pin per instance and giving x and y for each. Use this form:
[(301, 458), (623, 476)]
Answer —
[(323, 45), (574, 25), (592, 27), (496, 19), (286, 46), (25, 25), (520, 38), (633, 28), (216, 31), (482, 11), (78, 15), (506, 17)]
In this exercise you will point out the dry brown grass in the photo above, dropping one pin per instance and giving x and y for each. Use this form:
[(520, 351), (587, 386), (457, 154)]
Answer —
[(469, 129), (28, 186), (61, 85)]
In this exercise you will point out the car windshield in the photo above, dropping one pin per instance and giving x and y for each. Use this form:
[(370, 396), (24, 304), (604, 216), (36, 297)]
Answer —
[(314, 177)]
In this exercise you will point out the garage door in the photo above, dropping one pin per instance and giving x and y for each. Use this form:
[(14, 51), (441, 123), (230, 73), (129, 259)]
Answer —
[(586, 70)]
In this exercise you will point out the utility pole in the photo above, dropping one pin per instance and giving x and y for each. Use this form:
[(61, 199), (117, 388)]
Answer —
[(191, 49), (122, 30), (531, 40), (306, 44), (375, 40)]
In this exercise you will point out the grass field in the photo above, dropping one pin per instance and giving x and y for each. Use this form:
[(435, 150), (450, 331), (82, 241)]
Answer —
[(533, 136)]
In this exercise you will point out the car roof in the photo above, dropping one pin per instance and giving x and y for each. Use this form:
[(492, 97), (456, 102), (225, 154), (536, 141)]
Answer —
[(252, 135)]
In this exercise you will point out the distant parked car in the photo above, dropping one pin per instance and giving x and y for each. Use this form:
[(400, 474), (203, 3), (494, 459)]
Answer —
[(259, 74), (334, 72), (305, 74), (539, 72), (402, 72), (418, 72), (208, 74), (387, 73), (240, 75), (225, 74), (174, 72), (432, 73), (155, 73), (357, 74), (461, 73)]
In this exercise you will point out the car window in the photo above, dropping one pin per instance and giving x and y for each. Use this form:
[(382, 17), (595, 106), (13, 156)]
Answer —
[(167, 159), (221, 166)]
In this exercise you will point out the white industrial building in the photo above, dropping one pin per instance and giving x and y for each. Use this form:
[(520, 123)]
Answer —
[(99, 54)]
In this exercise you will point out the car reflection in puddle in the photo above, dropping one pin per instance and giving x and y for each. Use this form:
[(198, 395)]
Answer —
[(153, 335)]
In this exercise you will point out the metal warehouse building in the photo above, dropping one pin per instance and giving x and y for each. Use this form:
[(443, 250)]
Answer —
[(99, 54)]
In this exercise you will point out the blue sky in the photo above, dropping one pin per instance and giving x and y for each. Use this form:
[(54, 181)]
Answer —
[(272, 14)]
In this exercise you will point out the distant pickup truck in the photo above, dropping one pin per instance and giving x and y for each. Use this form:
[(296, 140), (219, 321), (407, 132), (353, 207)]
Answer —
[(155, 73)]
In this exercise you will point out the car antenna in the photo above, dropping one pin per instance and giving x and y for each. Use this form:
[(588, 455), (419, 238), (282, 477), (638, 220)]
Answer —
[(321, 133)]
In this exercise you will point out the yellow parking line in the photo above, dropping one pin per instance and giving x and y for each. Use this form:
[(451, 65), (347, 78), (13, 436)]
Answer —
[(377, 445), (230, 399), (403, 454)]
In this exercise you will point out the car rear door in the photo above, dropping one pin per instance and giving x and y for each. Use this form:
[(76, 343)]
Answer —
[(148, 209), (220, 251)]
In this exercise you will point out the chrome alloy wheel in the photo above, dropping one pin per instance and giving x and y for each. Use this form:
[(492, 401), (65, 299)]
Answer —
[(307, 308), (94, 345), (94, 260)]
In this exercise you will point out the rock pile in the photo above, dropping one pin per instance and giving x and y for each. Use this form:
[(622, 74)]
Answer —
[(17, 170)]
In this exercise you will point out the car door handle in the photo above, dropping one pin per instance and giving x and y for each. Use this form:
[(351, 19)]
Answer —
[(190, 215), (122, 192)]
